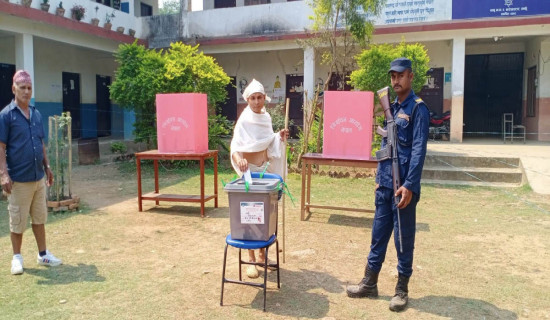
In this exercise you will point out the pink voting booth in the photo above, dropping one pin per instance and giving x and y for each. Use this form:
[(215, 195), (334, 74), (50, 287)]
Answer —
[(182, 123), (347, 125)]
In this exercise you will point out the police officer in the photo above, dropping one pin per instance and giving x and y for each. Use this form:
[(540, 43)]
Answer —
[(412, 118)]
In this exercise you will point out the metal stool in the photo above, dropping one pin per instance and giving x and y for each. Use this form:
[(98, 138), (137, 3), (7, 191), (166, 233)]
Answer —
[(245, 244), (253, 245)]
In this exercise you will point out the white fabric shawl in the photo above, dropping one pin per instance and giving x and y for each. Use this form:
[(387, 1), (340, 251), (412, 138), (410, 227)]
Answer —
[(254, 133)]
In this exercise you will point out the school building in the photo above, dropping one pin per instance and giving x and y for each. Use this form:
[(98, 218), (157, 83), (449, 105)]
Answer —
[(488, 57), (71, 61)]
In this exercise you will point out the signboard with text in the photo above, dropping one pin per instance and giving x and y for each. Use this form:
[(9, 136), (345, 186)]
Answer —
[(465, 9), (413, 11)]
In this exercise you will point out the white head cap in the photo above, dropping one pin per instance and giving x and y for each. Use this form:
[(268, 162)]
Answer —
[(254, 87)]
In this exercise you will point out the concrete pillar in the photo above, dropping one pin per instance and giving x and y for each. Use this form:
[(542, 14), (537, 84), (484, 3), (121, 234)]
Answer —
[(131, 8), (24, 56), (309, 72), (457, 89)]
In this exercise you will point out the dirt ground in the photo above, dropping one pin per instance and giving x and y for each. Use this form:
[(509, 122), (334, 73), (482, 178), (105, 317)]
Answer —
[(482, 254)]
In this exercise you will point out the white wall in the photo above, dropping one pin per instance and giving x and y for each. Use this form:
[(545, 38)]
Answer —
[(440, 53), (7, 49), (257, 19), (263, 66), (544, 69), (495, 47), (52, 58)]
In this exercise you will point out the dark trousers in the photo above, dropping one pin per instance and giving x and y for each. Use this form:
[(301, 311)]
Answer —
[(385, 221)]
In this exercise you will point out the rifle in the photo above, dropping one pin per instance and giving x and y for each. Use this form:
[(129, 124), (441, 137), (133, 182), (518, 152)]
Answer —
[(390, 151)]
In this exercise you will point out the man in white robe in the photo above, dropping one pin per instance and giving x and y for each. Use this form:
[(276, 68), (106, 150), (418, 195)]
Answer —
[(255, 145)]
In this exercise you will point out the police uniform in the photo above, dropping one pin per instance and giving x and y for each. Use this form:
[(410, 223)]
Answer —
[(412, 119)]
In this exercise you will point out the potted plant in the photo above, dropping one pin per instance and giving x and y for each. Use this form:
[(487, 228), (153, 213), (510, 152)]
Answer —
[(95, 21), (60, 11), (26, 3), (131, 32), (45, 5), (108, 25), (120, 29), (78, 12)]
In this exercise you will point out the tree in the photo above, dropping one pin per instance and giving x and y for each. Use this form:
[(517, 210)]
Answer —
[(143, 73), (374, 64), (170, 7), (338, 27)]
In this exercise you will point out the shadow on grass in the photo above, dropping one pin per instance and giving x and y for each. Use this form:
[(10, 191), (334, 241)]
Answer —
[(460, 308), (294, 298), (364, 222), (191, 210), (66, 274)]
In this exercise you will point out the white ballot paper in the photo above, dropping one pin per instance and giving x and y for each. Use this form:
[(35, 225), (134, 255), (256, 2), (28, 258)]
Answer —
[(247, 176)]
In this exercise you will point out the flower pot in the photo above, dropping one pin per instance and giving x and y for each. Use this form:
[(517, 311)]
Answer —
[(95, 21), (60, 12), (45, 7), (132, 32), (76, 17), (26, 3), (120, 29), (108, 25)]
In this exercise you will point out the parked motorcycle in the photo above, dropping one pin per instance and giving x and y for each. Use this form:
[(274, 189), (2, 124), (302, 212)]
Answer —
[(440, 125)]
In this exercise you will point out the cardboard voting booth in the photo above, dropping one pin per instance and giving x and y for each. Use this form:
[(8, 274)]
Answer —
[(182, 123), (347, 124)]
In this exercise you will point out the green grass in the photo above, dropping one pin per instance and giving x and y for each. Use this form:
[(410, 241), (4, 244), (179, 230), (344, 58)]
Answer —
[(481, 253)]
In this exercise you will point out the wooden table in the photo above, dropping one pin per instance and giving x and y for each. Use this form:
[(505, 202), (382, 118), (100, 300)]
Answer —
[(310, 159), (157, 196)]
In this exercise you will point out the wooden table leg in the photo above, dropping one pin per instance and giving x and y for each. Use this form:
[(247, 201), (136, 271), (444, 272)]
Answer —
[(302, 206), (308, 187), (138, 169), (156, 165), (202, 186), (216, 181)]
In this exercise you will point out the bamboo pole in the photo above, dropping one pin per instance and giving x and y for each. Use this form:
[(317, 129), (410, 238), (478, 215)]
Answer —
[(50, 137), (284, 177), (56, 157), (70, 146)]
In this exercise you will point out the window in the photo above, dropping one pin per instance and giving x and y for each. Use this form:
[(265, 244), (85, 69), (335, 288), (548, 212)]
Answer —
[(224, 4), (254, 2), (146, 10)]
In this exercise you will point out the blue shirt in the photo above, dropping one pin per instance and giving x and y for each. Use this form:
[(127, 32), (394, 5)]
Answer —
[(412, 133), (24, 142)]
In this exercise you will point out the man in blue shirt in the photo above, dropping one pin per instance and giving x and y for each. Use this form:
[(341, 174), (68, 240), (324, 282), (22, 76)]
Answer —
[(412, 119), (23, 165)]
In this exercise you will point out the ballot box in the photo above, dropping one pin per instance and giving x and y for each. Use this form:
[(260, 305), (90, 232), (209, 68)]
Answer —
[(347, 124), (182, 123)]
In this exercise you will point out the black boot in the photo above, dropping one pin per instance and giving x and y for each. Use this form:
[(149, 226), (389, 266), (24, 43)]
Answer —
[(366, 288), (401, 297)]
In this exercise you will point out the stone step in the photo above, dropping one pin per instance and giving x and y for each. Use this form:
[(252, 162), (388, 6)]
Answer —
[(467, 161), (473, 174)]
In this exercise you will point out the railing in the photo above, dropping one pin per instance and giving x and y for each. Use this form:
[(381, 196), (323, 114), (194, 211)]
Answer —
[(102, 14)]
